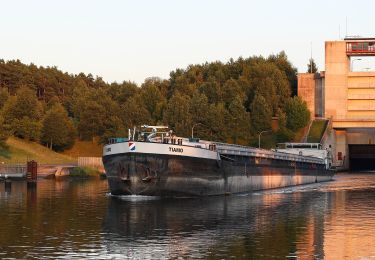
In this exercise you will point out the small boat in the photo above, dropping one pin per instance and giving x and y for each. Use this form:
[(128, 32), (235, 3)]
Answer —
[(153, 161)]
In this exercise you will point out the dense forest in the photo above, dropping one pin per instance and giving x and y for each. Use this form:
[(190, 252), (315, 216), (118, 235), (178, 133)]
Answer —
[(229, 102)]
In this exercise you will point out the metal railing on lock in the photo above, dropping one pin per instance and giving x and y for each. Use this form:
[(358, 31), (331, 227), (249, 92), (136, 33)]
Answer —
[(18, 169)]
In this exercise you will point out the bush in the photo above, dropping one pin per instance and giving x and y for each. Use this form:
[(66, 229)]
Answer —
[(297, 113), (84, 172), (284, 135)]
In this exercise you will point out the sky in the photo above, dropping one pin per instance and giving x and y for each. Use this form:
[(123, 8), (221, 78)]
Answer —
[(132, 40)]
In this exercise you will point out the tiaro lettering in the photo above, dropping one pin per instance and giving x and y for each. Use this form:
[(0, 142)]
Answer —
[(176, 150)]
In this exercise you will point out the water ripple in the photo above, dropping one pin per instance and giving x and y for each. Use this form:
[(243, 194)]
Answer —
[(79, 219)]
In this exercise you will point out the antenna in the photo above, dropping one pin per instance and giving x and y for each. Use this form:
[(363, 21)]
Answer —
[(311, 57), (346, 26), (339, 33)]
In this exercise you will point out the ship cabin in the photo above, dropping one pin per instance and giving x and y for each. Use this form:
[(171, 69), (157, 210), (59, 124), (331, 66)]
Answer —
[(304, 149), (162, 135)]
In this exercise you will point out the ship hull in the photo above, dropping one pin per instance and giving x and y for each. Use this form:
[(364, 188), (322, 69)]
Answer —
[(184, 176)]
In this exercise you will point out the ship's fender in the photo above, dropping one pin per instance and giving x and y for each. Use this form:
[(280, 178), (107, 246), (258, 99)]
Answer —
[(218, 160)]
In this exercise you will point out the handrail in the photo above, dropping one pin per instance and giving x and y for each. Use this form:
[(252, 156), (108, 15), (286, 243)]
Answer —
[(325, 134), (231, 149), (235, 149)]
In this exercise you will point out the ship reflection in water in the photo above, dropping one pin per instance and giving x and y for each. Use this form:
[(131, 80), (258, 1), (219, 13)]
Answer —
[(320, 221), (70, 219)]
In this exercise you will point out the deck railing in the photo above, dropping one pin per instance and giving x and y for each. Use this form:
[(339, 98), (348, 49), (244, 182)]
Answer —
[(234, 149)]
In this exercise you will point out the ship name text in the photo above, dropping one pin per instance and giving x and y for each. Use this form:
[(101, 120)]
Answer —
[(176, 150)]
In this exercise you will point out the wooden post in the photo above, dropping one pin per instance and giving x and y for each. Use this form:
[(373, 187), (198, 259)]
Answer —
[(32, 173)]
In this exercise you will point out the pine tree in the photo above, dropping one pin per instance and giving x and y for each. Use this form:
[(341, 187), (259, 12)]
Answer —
[(311, 66)]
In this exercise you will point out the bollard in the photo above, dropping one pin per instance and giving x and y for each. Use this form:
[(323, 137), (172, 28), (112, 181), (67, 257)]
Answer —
[(8, 184), (31, 184)]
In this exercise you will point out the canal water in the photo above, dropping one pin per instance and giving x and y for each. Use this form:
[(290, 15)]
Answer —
[(75, 219)]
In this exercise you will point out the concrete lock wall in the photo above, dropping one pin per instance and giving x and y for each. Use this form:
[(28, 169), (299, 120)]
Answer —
[(341, 155), (346, 97), (337, 67), (306, 90)]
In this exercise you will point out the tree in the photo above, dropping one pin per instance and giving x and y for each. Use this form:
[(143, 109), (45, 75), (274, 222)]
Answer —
[(198, 107), (283, 133), (232, 91), (219, 95), (24, 104), (58, 132), (153, 101), (23, 113), (311, 66), (52, 102), (26, 128), (113, 128), (282, 62), (122, 92), (177, 114), (4, 133), (239, 121), (212, 91), (216, 122), (80, 94), (3, 97), (261, 114), (297, 113), (91, 121), (95, 110), (133, 113), (271, 83)]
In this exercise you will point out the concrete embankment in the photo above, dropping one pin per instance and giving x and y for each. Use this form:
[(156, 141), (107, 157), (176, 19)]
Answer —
[(19, 170)]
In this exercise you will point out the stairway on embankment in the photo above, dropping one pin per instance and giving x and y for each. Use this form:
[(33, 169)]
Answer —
[(316, 131)]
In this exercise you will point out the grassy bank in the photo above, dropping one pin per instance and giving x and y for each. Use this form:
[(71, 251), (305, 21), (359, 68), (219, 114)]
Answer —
[(84, 172), (85, 149), (19, 151), (316, 131)]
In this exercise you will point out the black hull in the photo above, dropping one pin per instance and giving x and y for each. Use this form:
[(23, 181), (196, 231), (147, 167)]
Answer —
[(179, 176)]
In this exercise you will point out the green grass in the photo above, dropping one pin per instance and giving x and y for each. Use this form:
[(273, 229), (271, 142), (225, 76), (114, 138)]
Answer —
[(316, 131), (267, 141), (84, 172), (270, 140), (85, 149), (299, 134), (20, 151)]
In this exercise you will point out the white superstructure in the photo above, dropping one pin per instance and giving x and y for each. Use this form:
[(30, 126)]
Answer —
[(160, 140)]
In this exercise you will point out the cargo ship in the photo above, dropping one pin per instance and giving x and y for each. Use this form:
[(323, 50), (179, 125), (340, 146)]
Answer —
[(152, 161)]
